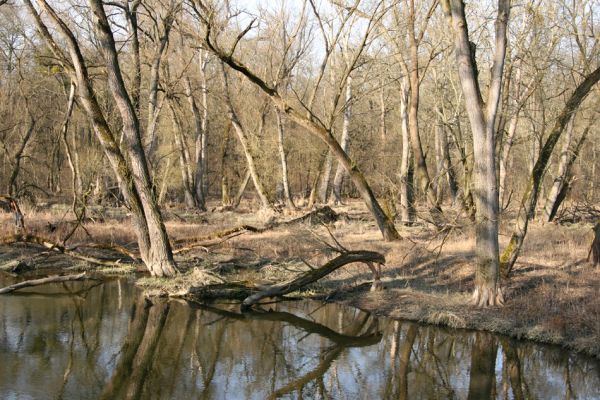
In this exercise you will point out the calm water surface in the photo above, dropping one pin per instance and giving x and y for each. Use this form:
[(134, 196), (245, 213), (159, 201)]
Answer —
[(101, 341)]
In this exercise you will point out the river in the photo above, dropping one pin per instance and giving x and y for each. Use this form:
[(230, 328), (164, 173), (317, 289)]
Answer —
[(88, 340)]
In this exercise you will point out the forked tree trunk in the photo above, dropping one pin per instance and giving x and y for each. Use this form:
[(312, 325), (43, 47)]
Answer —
[(283, 158), (344, 143), (243, 138), (487, 289), (147, 222), (160, 258), (532, 190)]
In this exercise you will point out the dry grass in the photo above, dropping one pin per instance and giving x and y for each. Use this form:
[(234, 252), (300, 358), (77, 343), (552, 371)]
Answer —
[(553, 295)]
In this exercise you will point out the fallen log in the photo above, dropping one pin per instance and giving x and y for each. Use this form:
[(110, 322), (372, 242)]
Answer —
[(367, 257), (216, 235), (43, 281)]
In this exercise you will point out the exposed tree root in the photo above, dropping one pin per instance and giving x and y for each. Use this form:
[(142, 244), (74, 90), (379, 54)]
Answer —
[(43, 281), (485, 296)]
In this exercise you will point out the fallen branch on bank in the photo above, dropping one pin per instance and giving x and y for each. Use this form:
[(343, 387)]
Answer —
[(367, 257), (50, 245), (43, 281), (216, 235)]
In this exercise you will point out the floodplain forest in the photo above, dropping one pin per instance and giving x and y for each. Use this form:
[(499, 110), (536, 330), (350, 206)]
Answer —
[(432, 160)]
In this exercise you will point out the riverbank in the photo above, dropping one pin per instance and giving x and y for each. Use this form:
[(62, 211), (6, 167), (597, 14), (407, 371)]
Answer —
[(552, 297)]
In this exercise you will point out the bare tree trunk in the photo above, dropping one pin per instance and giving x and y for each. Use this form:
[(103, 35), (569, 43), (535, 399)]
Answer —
[(243, 138), (406, 207), (63, 136), (154, 106), (200, 126), (152, 239), (447, 168), (345, 141), (184, 157), (384, 223), (561, 184), (225, 200), (160, 257), (382, 112), (487, 290), (130, 8), (18, 156), (240, 193), (530, 196), (282, 156), (325, 177), (595, 248), (198, 181), (561, 171)]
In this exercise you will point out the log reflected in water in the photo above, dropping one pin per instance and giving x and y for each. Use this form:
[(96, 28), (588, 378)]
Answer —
[(85, 346)]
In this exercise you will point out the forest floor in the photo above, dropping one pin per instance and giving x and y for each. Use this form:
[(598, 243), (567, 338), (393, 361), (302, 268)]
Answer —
[(552, 296)]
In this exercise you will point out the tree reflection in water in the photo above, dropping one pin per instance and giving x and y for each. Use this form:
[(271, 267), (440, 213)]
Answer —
[(106, 342)]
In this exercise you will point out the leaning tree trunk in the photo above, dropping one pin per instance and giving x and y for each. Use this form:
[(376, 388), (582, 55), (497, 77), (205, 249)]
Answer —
[(94, 111), (283, 158), (243, 138), (345, 141), (384, 223), (563, 174), (531, 194), (160, 257), (556, 200)]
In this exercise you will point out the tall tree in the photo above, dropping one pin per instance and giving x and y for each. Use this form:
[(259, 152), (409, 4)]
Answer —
[(133, 176), (482, 117)]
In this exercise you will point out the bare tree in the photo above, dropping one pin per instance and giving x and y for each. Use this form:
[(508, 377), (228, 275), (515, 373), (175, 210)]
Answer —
[(317, 128), (482, 117), (133, 177)]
